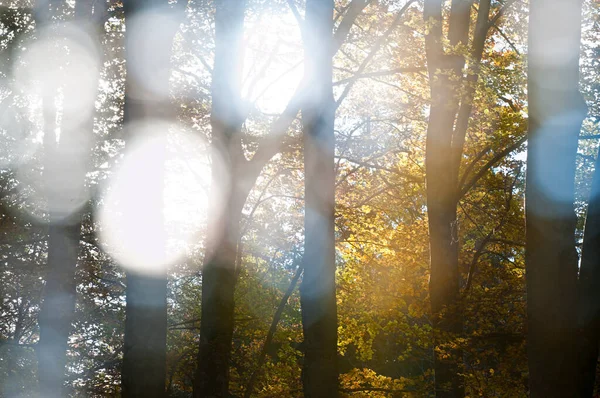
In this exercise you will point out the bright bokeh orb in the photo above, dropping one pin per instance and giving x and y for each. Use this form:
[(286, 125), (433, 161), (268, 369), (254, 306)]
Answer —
[(64, 60), (156, 201)]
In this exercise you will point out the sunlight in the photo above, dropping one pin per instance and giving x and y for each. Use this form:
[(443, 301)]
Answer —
[(273, 65), (65, 60), (144, 231)]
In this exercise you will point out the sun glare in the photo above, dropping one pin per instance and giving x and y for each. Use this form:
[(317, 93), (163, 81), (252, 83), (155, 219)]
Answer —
[(273, 65), (64, 60), (145, 231)]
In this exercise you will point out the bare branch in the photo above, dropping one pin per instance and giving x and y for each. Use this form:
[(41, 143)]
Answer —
[(589, 137), (466, 102), (296, 13)]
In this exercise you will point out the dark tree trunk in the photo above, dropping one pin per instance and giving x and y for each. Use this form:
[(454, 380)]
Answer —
[(218, 274), (144, 354), (65, 168), (589, 292), (58, 305), (216, 328), (556, 111), (317, 291)]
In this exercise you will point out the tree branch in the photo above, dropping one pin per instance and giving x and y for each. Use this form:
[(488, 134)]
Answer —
[(499, 156), (271, 145), (354, 10), (376, 46), (466, 102), (413, 69), (500, 12)]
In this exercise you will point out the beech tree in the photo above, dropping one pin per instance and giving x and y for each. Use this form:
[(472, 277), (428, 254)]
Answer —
[(556, 112), (588, 301), (148, 48), (65, 167), (452, 95), (239, 175), (218, 272), (317, 291)]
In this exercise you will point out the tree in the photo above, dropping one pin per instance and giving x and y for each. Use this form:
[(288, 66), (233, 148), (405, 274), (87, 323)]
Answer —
[(587, 293), (64, 173), (239, 174), (146, 99), (556, 111), (317, 291), (448, 121), (218, 273)]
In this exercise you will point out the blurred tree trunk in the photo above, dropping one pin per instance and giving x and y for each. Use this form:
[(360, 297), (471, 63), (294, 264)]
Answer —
[(65, 167), (556, 111), (317, 291), (218, 274), (589, 292), (148, 40)]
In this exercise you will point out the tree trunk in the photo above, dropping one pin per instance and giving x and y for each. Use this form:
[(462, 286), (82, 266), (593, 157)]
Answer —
[(216, 328), (65, 168), (218, 274), (58, 305), (146, 98), (589, 293), (556, 111), (317, 291), (445, 74)]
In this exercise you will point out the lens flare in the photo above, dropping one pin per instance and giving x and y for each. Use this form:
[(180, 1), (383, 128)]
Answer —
[(157, 201), (65, 59), (61, 67), (554, 182)]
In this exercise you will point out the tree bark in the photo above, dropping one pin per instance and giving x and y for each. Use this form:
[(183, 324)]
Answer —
[(317, 291), (556, 111), (445, 74), (589, 293), (218, 274), (144, 353)]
